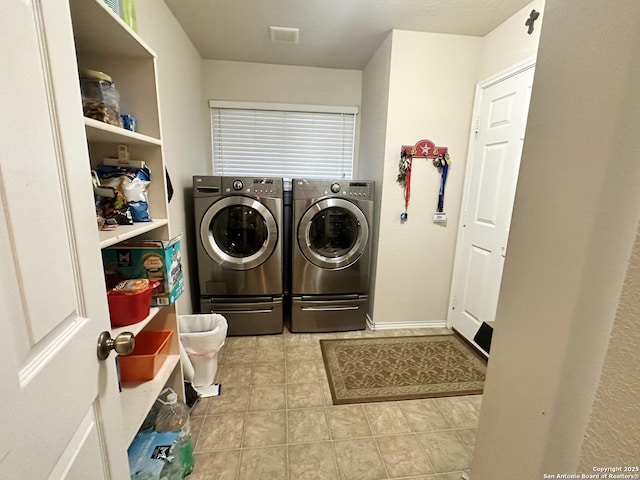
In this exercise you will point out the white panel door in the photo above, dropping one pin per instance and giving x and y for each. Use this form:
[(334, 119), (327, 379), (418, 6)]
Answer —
[(490, 184), (60, 412)]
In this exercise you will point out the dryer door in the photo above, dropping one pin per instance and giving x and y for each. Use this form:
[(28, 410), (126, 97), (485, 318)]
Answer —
[(333, 233), (238, 232)]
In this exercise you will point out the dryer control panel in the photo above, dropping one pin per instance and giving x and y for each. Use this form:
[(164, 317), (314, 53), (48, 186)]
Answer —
[(361, 190)]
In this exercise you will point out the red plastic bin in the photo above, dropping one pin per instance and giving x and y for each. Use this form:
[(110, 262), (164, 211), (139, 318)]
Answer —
[(127, 309), (150, 352)]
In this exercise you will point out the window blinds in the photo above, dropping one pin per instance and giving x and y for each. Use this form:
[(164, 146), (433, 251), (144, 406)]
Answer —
[(289, 141)]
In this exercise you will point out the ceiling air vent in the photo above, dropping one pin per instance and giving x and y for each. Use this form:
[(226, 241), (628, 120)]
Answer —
[(284, 34)]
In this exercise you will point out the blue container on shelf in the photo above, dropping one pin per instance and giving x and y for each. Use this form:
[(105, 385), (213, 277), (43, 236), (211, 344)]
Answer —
[(129, 122)]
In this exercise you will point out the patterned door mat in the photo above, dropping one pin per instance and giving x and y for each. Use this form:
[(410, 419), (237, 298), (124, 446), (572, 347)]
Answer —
[(364, 370)]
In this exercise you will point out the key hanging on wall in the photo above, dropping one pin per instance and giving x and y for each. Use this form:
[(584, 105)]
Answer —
[(404, 178)]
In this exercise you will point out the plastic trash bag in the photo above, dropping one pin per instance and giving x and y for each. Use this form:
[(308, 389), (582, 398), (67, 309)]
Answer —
[(187, 368), (202, 337)]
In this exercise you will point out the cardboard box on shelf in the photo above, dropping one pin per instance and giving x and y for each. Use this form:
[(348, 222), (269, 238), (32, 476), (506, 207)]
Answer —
[(153, 259)]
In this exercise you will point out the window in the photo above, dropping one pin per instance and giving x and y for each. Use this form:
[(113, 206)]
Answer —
[(288, 141)]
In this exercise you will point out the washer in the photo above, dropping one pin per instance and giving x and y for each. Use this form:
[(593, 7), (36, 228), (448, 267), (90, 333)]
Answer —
[(331, 249), (238, 223)]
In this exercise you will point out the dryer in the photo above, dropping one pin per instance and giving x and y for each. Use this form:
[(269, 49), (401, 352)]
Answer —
[(331, 252), (238, 223)]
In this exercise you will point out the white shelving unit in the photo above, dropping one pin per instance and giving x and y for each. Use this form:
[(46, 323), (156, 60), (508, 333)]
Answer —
[(126, 232), (104, 133), (105, 43)]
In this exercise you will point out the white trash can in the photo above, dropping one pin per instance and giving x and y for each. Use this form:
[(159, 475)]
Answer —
[(202, 337)]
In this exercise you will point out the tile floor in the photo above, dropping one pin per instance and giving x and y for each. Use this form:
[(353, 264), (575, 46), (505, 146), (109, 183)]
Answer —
[(275, 421)]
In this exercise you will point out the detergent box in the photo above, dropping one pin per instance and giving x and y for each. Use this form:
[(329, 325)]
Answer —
[(157, 260)]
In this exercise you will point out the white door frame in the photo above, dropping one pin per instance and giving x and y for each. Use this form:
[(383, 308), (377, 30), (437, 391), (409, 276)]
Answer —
[(515, 69)]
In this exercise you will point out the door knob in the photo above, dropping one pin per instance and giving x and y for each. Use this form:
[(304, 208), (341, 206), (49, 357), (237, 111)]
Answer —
[(123, 344)]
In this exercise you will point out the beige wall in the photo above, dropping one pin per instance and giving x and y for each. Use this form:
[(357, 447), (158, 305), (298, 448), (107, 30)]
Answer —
[(184, 120), (613, 431), (430, 96), (259, 82), (510, 42), (574, 223), (375, 103)]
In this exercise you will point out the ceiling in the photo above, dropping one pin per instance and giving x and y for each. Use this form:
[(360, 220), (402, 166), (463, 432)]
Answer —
[(333, 33)]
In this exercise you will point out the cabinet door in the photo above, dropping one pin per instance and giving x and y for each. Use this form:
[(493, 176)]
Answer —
[(60, 412)]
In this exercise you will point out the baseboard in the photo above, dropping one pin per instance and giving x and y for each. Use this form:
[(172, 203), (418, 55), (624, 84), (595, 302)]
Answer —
[(398, 325)]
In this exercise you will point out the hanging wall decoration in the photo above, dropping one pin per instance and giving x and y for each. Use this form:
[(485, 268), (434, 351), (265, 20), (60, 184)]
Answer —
[(404, 179), (441, 160)]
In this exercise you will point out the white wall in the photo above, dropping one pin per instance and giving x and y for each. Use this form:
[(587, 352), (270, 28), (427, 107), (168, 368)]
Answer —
[(259, 82), (613, 432), (375, 103), (574, 223), (184, 123), (510, 42), (431, 88)]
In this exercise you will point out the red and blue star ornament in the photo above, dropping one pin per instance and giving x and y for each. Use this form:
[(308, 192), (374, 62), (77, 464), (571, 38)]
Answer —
[(425, 149)]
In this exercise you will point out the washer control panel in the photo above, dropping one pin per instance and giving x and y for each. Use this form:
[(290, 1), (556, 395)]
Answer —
[(259, 187), (210, 186), (362, 190)]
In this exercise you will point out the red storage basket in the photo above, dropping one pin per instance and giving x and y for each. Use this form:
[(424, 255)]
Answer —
[(127, 309), (150, 352)]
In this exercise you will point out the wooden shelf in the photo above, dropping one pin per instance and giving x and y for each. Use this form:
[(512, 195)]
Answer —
[(125, 232), (137, 398), (101, 132), (97, 29)]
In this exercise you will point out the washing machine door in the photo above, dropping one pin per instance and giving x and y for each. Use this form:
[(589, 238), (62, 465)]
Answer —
[(333, 233), (238, 232)]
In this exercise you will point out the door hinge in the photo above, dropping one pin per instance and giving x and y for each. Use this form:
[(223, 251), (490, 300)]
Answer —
[(454, 302), (476, 126)]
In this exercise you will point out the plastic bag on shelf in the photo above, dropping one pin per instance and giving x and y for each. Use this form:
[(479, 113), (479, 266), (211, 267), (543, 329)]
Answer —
[(133, 183), (111, 205)]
